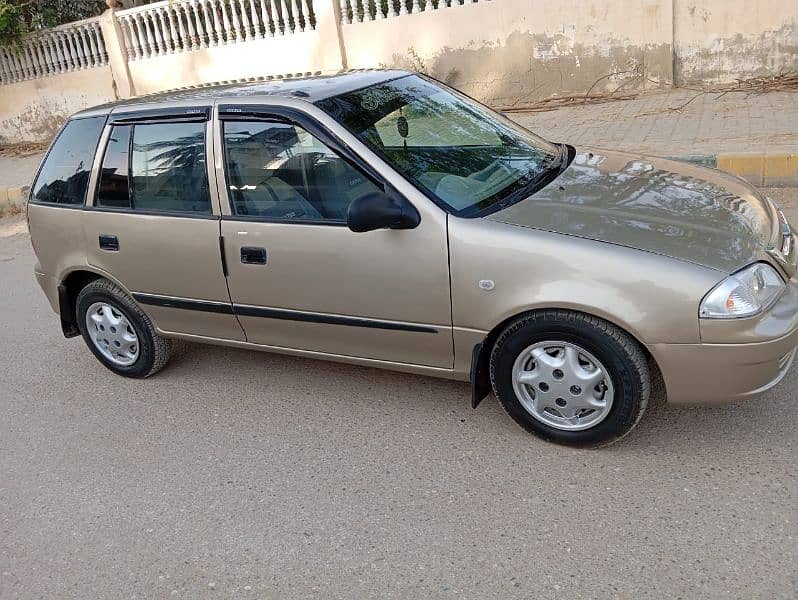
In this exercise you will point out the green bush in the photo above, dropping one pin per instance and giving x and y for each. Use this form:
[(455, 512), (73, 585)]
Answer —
[(18, 17)]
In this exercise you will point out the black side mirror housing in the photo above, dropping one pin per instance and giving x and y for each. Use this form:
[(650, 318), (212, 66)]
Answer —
[(381, 210)]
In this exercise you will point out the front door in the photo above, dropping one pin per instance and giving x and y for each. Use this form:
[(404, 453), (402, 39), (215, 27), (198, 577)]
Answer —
[(151, 224), (300, 279)]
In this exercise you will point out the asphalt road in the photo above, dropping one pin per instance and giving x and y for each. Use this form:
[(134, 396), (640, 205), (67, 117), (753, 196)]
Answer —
[(237, 474)]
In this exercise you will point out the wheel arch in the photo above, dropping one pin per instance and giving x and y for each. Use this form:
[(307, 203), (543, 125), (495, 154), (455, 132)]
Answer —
[(480, 375), (69, 287)]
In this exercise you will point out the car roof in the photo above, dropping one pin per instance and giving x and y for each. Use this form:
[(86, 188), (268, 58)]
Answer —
[(310, 88)]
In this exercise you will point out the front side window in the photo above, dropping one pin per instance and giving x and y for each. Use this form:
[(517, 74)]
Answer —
[(64, 176), (467, 157), (155, 167), (279, 171)]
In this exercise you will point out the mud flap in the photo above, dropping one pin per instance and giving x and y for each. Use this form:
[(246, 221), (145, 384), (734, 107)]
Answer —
[(480, 378)]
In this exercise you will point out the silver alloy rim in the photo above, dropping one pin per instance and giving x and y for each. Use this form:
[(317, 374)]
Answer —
[(112, 334), (563, 385)]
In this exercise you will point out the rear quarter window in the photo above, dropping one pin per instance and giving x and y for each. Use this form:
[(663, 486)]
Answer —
[(64, 175)]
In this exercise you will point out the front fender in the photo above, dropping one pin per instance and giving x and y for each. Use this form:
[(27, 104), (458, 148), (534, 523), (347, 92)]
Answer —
[(652, 297)]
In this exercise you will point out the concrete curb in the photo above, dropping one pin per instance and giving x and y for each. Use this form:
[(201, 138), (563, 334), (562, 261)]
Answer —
[(763, 169), (13, 199)]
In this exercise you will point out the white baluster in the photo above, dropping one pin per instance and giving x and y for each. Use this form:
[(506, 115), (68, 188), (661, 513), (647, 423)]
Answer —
[(285, 17), (74, 63), (177, 41), (49, 54), (266, 11), (181, 27), (83, 36), (209, 29), (128, 36), (98, 36), (49, 57), (299, 14), (236, 22), (21, 73), (414, 6), (156, 30), (5, 71), (83, 54), (310, 15), (163, 25), (24, 59), (12, 68), (151, 48), (95, 55), (192, 35), (141, 35), (228, 30), (74, 43), (218, 30), (253, 13), (242, 9), (30, 59), (202, 38)]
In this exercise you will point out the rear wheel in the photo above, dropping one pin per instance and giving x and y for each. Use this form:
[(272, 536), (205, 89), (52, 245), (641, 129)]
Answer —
[(570, 378), (118, 332)]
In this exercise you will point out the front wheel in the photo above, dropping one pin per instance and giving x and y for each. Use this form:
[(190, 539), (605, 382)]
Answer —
[(570, 378), (118, 332)]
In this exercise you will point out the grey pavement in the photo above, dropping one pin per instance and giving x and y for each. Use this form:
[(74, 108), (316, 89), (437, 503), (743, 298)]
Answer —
[(238, 474), (709, 124)]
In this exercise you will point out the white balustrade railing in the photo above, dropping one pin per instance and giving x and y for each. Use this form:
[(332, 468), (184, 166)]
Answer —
[(69, 47), (184, 25), (360, 11)]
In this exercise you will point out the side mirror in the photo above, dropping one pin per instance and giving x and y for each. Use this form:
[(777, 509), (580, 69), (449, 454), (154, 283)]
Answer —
[(378, 210)]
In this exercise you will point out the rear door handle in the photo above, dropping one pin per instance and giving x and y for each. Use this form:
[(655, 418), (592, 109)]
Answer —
[(253, 256), (109, 242)]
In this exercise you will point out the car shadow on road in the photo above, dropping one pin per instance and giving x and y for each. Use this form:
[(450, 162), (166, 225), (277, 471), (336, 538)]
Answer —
[(355, 390)]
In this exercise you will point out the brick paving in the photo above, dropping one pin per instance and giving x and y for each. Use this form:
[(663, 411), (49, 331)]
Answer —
[(709, 124)]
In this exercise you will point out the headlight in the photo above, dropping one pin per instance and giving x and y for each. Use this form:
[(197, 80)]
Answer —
[(744, 294)]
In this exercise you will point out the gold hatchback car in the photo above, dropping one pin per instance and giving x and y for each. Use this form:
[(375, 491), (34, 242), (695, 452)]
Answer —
[(381, 218)]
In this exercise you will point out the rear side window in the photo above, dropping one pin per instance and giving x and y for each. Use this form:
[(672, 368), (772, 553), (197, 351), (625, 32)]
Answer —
[(155, 167), (64, 176), (113, 191)]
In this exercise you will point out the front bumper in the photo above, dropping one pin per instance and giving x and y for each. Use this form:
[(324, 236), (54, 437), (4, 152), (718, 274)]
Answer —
[(737, 359)]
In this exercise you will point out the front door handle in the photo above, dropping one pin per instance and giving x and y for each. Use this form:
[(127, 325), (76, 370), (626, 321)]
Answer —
[(109, 242), (253, 256)]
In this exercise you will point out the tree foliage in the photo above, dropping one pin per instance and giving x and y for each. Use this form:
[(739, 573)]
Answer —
[(19, 17)]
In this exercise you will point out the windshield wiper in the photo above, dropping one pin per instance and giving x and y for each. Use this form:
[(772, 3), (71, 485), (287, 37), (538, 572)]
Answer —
[(549, 173)]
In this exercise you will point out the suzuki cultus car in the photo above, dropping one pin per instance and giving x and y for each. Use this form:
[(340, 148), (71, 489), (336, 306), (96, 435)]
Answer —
[(384, 219)]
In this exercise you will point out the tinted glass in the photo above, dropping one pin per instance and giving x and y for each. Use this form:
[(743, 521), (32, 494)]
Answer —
[(64, 176), (280, 171), (460, 152), (113, 190), (168, 170)]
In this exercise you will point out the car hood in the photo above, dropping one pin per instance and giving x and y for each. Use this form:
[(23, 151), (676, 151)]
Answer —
[(653, 204)]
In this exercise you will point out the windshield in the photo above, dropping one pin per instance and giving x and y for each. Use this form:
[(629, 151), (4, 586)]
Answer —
[(467, 157)]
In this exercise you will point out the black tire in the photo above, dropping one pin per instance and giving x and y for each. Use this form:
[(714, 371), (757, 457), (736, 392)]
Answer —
[(153, 351), (621, 356)]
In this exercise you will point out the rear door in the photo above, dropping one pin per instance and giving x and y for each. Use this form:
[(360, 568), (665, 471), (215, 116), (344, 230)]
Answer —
[(298, 277), (151, 223)]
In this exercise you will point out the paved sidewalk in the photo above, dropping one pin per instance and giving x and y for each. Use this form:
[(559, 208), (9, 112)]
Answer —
[(708, 124)]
